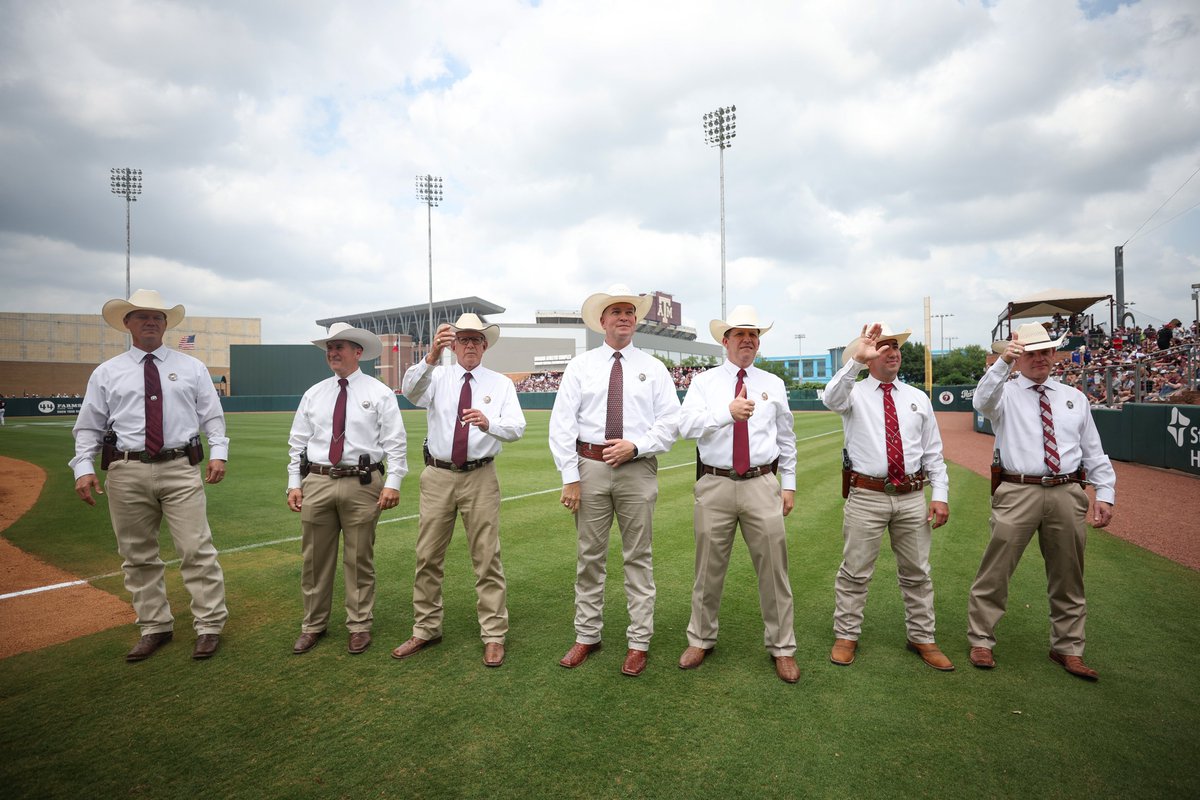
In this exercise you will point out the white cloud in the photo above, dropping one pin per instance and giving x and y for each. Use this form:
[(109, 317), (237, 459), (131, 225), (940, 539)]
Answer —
[(969, 152)]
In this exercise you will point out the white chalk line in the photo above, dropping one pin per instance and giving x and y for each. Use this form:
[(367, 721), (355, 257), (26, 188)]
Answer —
[(289, 539)]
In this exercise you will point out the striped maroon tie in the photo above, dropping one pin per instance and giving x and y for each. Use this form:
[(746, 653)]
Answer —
[(614, 420), (891, 437), (1048, 441), (154, 406)]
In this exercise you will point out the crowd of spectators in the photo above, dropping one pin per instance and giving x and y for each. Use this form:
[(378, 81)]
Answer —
[(548, 381), (1164, 361)]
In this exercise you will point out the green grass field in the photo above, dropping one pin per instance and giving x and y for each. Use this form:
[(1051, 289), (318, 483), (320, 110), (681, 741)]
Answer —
[(256, 721)]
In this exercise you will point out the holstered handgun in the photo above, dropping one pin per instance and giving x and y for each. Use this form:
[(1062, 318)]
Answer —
[(428, 459), (194, 450), (108, 451), (699, 464), (364, 469), (847, 468), (304, 463), (997, 469)]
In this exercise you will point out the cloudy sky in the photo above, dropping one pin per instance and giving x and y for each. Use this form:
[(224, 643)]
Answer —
[(972, 152)]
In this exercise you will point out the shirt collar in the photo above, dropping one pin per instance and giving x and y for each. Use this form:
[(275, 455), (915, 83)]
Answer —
[(139, 355), (1025, 383)]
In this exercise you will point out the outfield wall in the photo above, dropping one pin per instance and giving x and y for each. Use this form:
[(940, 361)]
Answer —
[(1154, 434)]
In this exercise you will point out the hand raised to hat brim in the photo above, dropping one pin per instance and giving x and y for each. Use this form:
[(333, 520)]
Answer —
[(870, 349), (441, 340), (1014, 349)]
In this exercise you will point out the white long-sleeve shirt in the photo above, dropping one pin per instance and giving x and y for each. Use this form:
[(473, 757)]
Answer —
[(1015, 412), (860, 404), (705, 417), (438, 388), (116, 397), (650, 410), (374, 427)]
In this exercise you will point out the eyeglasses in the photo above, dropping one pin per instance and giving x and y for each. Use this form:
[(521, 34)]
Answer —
[(471, 340)]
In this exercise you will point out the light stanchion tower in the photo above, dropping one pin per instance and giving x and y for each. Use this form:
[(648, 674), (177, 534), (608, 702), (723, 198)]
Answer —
[(720, 127), (429, 192), (942, 328), (127, 183), (951, 340)]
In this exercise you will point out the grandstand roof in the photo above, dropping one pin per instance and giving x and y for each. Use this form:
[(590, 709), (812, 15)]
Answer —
[(414, 320), (1051, 302)]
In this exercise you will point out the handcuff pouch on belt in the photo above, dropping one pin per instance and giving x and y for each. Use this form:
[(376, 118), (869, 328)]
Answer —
[(305, 464), (997, 470)]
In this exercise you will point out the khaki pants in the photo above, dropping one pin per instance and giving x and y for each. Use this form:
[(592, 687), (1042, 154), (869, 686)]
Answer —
[(333, 505), (1056, 514), (476, 495), (756, 504), (628, 492), (140, 496), (867, 515)]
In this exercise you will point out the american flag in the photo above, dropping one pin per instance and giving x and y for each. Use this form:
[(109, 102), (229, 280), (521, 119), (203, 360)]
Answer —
[(187, 342)]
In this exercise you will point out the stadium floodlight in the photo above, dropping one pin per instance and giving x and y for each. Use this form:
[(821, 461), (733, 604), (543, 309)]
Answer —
[(951, 340), (720, 127), (942, 328), (429, 192), (127, 183)]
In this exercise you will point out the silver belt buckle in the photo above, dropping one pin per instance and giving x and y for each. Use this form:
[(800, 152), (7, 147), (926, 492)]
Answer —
[(1050, 480), (888, 487)]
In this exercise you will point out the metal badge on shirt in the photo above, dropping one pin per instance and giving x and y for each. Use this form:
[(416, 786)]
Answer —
[(1070, 404), (487, 398), (641, 376), (172, 376)]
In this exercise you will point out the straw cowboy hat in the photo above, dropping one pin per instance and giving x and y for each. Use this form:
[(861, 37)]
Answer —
[(594, 306), (886, 333), (1032, 336), (115, 311), (471, 322), (341, 331), (742, 317)]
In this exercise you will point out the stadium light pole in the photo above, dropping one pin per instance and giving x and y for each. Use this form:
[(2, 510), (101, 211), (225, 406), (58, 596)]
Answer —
[(429, 192), (127, 183), (942, 328), (952, 338), (720, 127)]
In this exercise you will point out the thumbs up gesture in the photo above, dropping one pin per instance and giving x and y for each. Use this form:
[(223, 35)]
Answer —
[(741, 408)]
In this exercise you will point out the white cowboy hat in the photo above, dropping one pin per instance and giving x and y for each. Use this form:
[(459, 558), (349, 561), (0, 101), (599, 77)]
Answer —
[(886, 333), (471, 322), (742, 317), (114, 311), (369, 342), (1032, 336), (594, 306)]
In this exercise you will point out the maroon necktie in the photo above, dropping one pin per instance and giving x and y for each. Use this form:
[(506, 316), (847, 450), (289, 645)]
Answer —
[(154, 407), (458, 453), (741, 434), (1049, 443), (891, 437), (614, 420), (339, 425)]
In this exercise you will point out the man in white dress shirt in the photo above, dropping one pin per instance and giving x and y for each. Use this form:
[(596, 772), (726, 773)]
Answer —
[(472, 409), (895, 448), (143, 407), (741, 417), (1046, 436), (615, 410), (345, 429)]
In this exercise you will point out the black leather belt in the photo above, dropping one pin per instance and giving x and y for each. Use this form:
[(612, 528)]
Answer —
[(1042, 480), (911, 483), (342, 472), (753, 472), (170, 454), (430, 461)]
